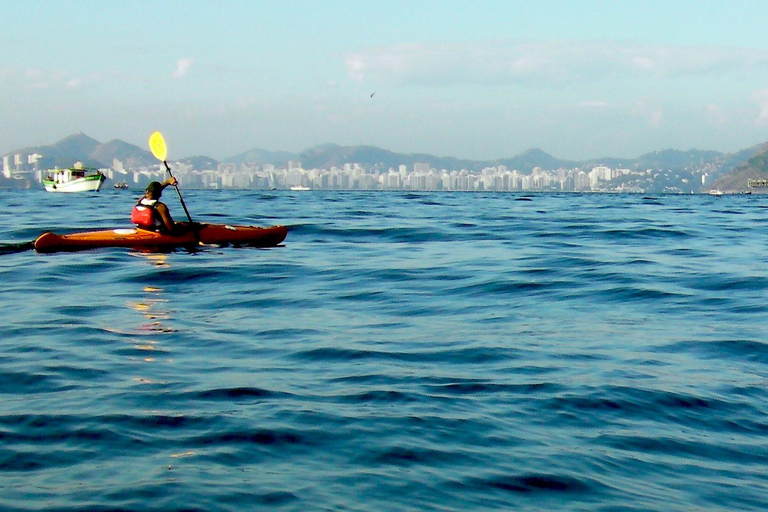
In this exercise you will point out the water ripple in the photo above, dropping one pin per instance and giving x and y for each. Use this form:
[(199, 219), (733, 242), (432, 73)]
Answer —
[(401, 351)]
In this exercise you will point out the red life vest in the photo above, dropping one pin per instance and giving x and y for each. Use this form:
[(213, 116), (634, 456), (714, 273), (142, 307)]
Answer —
[(144, 214)]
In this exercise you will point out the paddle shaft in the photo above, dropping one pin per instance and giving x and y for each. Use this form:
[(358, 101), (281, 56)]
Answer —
[(181, 199)]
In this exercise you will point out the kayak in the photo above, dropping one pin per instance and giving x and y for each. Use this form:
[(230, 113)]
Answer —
[(136, 238)]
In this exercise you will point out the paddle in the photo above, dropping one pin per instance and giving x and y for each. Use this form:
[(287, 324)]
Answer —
[(158, 148), (17, 247)]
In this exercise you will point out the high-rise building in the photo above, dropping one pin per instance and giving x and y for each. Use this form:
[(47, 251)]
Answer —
[(249, 167), (602, 172), (226, 168)]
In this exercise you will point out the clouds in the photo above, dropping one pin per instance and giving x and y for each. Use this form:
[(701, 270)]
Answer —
[(42, 80), (182, 66), (665, 87), (594, 104), (534, 63), (61, 79), (653, 114)]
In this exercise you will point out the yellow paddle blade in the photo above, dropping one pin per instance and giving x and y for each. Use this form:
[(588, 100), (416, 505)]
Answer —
[(157, 146)]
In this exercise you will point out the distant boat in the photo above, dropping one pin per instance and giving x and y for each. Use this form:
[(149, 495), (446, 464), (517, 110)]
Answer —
[(715, 192), (121, 185), (300, 187), (74, 179)]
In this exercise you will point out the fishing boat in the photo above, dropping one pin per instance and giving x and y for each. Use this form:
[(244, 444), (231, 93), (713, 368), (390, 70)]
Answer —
[(300, 188), (74, 179)]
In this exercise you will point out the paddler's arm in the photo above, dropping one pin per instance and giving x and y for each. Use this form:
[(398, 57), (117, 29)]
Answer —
[(170, 181)]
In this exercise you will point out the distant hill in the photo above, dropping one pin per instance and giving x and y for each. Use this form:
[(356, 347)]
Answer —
[(201, 163), (536, 157), (92, 153), (331, 155), (75, 148), (130, 155), (733, 160), (671, 159), (79, 144), (755, 167), (675, 159), (262, 156)]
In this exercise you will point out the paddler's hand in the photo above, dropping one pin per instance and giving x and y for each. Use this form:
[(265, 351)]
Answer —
[(171, 181)]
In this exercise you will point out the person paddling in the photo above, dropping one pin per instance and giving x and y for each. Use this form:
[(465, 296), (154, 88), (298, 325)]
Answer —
[(153, 215)]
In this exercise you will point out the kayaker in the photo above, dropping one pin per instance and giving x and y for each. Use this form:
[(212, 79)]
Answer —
[(149, 213)]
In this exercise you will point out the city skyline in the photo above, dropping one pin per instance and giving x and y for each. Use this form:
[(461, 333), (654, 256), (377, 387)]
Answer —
[(477, 81), (415, 177), (669, 171)]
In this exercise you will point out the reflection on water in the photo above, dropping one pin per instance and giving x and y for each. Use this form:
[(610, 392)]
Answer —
[(157, 259), (152, 306)]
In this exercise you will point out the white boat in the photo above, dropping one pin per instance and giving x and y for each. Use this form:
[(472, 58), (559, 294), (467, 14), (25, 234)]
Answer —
[(74, 179), (715, 192), (299, 187)]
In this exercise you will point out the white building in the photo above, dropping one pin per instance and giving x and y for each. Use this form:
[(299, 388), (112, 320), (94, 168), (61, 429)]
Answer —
[(602, 173)]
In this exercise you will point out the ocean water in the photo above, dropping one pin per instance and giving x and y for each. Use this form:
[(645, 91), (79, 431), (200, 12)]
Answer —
[(400, 351)]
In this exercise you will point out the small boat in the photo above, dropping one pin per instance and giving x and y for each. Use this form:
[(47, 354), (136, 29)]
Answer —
[(135, 238), (300, 188), (121, 185), (74, 179), (715, 192)]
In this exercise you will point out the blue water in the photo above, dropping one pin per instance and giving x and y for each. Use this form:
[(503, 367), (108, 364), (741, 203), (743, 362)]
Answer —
[(400, 351)]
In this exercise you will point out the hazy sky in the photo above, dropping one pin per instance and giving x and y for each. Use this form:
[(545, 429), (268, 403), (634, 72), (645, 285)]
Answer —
[(477, 79)]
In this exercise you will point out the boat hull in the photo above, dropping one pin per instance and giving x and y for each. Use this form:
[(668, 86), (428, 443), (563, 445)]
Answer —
[(217, 234), (87, 184)]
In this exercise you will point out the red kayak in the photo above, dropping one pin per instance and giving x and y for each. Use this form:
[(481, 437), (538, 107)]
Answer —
[(218, 234)]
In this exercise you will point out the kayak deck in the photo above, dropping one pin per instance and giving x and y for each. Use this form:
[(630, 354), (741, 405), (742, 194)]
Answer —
[(217, 234)]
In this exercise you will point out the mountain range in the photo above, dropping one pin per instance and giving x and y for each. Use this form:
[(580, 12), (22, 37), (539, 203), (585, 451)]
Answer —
[(92, 153), (755, 167)]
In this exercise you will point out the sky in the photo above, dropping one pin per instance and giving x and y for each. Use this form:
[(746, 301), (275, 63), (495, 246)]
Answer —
[(479, 79)]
